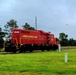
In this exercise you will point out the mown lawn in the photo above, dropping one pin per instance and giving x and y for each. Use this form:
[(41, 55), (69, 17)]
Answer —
[(38, 63)]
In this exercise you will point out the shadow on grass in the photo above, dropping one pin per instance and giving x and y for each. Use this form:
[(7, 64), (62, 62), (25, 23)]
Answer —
[(4, 53), (35, 51)]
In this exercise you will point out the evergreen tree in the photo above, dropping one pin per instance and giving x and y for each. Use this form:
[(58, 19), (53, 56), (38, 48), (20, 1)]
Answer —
[(2, 34), (28, 27), (8, 27), (63, 39)]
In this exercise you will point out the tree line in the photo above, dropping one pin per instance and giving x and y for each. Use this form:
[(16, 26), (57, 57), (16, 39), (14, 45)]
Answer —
[(64, 41), (63, 38)]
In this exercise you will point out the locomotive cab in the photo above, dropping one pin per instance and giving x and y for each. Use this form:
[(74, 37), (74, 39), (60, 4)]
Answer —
[(53, 42)]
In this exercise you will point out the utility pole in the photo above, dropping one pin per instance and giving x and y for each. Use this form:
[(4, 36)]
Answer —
[(36, 23)]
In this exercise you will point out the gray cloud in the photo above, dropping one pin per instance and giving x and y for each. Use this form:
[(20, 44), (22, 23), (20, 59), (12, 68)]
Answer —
[(52, 15)]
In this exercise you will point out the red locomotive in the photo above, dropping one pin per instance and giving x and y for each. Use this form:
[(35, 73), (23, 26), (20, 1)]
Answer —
[(29, 40)]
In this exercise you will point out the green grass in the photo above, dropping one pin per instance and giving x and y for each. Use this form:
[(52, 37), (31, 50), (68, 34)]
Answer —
[(36, 63)]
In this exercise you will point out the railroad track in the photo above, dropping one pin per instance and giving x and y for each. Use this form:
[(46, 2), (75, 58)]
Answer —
[(68, 47)]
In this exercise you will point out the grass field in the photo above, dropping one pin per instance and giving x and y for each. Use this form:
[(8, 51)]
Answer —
[(38, 63)]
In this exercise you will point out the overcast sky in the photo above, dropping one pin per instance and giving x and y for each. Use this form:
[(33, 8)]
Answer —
[(55, 16)]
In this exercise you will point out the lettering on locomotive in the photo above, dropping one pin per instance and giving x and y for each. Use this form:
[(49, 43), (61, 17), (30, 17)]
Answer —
[(25, 36)]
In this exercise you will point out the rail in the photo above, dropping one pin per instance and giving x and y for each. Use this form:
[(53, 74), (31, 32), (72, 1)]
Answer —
[(68, 47)]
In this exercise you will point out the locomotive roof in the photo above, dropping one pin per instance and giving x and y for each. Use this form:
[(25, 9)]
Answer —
[(32, 30)]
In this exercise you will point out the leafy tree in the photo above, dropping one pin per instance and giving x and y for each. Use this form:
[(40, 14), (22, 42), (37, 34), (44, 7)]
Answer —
[(2, 34), (72, 42), (8, 27), (28, 27), (62, 36), (63, 39), (0, 29)]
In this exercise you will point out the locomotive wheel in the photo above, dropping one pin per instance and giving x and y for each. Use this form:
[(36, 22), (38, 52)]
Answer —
[(42, 50), (55, 47), (7, 49), (18, 51), (14, 49), (48, 50), (23, 49), (30, 50)]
